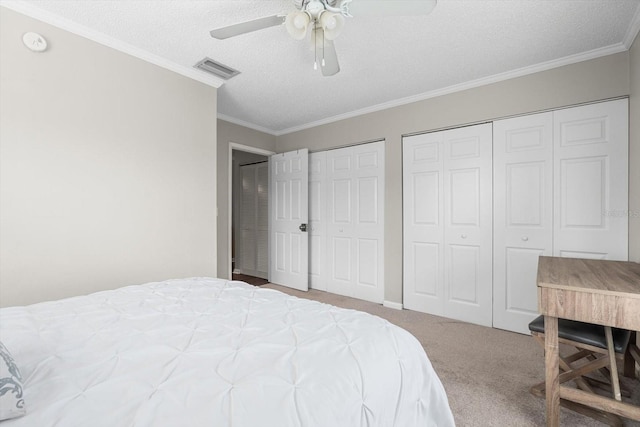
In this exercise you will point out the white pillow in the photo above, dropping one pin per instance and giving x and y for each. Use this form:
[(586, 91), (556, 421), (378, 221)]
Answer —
[(11, 401)]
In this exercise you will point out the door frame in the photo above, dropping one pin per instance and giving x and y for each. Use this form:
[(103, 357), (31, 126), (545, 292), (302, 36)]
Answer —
[(247, 149)]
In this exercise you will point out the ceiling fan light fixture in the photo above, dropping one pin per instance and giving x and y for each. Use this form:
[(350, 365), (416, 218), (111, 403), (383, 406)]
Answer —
[(332, 24), (297, 23)]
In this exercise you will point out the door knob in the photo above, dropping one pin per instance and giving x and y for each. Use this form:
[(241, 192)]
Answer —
[(303, 228), (525, 238), (464, 236)]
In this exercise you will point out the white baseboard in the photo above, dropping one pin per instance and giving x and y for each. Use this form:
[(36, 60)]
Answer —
[(391, 304)]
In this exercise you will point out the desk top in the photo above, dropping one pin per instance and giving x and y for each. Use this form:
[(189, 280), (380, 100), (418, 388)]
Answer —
[(593, 291), (620, 278)]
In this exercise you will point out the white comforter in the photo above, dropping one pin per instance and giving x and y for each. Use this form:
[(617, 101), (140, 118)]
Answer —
[(209, 352)]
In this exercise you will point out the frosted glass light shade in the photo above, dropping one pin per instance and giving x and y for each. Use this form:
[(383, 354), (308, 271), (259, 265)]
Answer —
[(332, 24), (296, 24)]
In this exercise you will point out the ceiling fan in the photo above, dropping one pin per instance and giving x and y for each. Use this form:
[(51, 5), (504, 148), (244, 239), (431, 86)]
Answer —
[(326, 19)]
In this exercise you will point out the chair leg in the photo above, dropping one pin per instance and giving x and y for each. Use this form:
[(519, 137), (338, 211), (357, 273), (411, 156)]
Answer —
[(565, 365), (634, 352), (629, 362), (580, 382), (615, 381)]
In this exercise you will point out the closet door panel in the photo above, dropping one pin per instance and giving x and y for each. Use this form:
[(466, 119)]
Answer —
[(423, 242), (464, 275), (591, 185), (247, 264), (246, 253), (342, 261), (252, 250), (341, 201), (340, 225), (262, 220), (428, 270), (468, 224), (464, 198), (523, 215), (355, 221), (317, 221), (368, 183), (367, 260)]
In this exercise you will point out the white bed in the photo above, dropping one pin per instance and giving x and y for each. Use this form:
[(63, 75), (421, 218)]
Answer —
[(210, 352)]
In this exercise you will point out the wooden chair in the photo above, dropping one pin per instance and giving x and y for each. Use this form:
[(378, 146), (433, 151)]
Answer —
[(593, 344)]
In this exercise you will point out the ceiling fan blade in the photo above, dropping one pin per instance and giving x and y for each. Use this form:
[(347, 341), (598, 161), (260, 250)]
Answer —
[(390, 7), (327, 52), (247, 27)]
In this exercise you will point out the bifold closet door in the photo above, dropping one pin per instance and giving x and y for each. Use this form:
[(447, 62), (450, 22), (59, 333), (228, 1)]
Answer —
[(355, 221), (591, 181), (447, 197), (523, 215), (560, 188)]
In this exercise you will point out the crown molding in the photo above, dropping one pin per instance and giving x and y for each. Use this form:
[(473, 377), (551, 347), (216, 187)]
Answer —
[(633, 30), (246, 124), (103, 39), (544, 66)]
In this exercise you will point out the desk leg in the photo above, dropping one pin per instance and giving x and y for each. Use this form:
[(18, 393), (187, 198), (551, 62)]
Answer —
[(552, 371)]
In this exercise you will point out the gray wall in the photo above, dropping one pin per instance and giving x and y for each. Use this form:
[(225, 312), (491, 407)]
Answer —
[(634, 154), (107, 168), (587, 81), (231, 133)]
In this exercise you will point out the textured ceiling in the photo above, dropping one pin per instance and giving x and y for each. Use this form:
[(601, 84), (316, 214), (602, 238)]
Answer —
[(384, 60)]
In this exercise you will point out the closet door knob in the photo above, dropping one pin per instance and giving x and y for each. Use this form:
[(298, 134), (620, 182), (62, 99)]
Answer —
[(464, 236), (525, 238)]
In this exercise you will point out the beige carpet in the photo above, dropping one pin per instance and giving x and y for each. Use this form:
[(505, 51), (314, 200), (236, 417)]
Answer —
[(486, 372)]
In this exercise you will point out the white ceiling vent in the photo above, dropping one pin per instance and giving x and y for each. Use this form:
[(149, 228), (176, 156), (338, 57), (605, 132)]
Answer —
[(216, 68)]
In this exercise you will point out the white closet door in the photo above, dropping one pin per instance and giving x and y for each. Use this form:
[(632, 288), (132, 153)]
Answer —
[(317, 220), (289, 207), (252, 247), (423, 243), (468, 224), (262, 220), (591, 186), (447, 189), (523, 215), (355, 221), (246, 255)]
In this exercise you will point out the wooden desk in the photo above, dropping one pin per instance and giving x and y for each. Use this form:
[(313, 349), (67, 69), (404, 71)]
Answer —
[(594, 291)]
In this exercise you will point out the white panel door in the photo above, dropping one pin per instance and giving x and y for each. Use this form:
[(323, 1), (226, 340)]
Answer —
[(423, 243), (317, 220), (355, 221), (468, 224), (447, 212), (289, 205), (591, 146), (523, 215)]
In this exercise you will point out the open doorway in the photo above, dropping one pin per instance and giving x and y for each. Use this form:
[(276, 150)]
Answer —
[(248, 213)]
